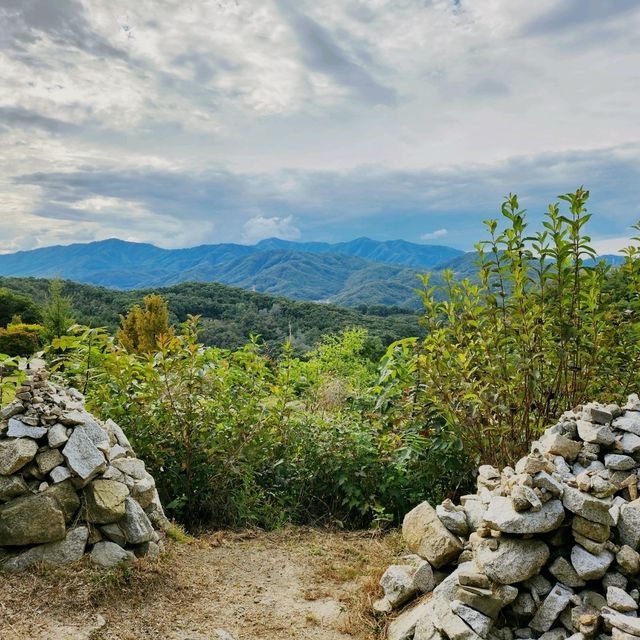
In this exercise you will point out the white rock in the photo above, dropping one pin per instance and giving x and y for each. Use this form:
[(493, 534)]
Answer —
[(480, 623), (108, 554), (629, 524), (587, 506), (59, 474), (57, 435), (18, 429), (595, 433), (425, 535), (502, 516), (551, 608), (64, 552), (136, 526), (619, 462), (82, 455), (629, 421), (589, 566), (510, 560), (620, 600), (397, 584)]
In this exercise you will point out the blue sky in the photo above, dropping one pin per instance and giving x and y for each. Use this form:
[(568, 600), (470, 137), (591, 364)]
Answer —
[(203, 121)]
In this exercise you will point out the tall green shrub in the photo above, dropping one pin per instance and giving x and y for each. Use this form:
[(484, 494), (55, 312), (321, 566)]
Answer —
[(539, 332)]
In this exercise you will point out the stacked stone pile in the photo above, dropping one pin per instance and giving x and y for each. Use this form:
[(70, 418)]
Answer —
[(70, 484), (548, 549)]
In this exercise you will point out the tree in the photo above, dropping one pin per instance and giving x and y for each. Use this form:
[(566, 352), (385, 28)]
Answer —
[(57, 315), (14, 304), (141, 327)]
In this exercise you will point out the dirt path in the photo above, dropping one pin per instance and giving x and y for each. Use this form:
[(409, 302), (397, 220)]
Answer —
[(303, 584)]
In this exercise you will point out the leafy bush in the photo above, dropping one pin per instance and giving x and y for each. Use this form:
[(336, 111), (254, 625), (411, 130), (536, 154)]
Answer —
[(14, 304), (20, 339), (246, 437), (236, 438), (10, 378), (540, 331)]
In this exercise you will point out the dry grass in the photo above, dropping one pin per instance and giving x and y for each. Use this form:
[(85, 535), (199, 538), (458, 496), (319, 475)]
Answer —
[(302, 583)]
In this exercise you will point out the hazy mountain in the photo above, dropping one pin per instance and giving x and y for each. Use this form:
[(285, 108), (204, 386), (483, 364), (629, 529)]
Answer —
[(390, 251), (307, 271)]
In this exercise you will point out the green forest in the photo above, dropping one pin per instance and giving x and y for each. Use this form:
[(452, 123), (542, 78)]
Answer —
[(330, 427), (228, 315)]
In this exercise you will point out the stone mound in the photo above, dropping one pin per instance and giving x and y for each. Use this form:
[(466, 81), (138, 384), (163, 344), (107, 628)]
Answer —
[(548, 549), (70, 484)]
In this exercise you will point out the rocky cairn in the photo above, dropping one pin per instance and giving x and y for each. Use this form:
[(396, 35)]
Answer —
[(548, 549), (70, 484)]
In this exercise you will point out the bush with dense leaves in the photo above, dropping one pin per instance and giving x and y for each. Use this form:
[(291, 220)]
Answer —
[(20, 339), (237, 438), (545, 327)]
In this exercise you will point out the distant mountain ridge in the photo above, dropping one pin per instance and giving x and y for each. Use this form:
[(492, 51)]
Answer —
[(308, 271), (362, 271)]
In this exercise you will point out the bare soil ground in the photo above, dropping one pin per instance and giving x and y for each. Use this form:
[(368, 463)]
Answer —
[(299, 583)]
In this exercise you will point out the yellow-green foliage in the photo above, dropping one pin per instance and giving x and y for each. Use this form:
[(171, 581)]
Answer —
[(20, 339), (540, 331), (142, 326)]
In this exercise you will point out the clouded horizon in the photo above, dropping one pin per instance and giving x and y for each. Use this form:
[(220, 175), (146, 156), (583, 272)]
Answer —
[(206, 121)]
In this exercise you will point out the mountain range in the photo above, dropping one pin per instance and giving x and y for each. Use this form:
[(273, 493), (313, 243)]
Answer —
[(362, 271), (358, 272)]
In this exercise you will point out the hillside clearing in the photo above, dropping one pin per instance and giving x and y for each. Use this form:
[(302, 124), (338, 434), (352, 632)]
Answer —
[(303, 583)]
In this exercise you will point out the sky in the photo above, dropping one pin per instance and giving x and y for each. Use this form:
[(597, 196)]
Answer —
[(202, 121)]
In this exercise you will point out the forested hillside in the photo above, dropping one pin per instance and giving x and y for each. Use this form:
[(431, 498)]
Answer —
[(229, 315), (304, 271)]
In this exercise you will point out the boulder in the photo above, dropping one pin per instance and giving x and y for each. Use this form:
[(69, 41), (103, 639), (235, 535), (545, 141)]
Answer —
[(562, 570), (503, 517), (620, 600), (595, 433), (397, 584), (587, 506), (589, 529), (83, 457), (15, 454), (478, 622), (34, 519), (105, 501), (108, 554), (551, 608), (559, 445), (619, 462), (510, 560), (68, 500), (629, 524), (629, 422), (588, 565), (11, 487), (49, 460), (426, 536), (404, 626), (136, 526), (629, 560), (66, 551), (59, 474), (18, 429), (57, 435)]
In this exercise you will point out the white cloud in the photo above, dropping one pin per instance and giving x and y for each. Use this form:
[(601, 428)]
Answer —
[(332, 88), (608, 246), (434, 235), (260, 228)]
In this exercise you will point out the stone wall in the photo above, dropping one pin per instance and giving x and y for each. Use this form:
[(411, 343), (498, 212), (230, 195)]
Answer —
[(546, 549), (70, 484)]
